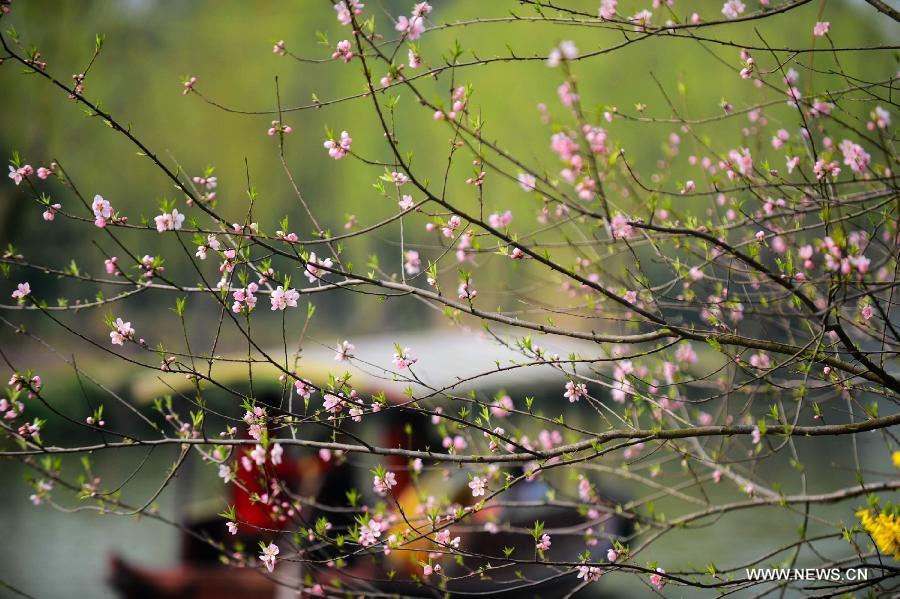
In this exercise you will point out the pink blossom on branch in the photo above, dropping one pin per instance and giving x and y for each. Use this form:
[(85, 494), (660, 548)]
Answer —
[(169, 221), (269, 555), (22, 291), (339, 148)]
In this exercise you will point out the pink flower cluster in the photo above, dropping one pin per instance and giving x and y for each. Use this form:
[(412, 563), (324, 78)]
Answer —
[(122, 332), (383, 484), (22, 291), (565, 51), (283, 298), (403, 358), (344, 14), (244, 299), (343, 50), (732, 9), (169, 221), (103, 211), (337, 149), (575, 391), (414, 26), (313, 263)]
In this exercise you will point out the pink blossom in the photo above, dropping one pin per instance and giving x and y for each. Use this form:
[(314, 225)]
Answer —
[(743, 160), (575, 391), (18, 174), (258, 455), (277, 127), (399, 178), (268, 556), (502, 406), (760, 360), (612, 555), (861, 263), (429, 569), (304, 388), (50, 213), (584, 489), (620, 227), (43, 489), (755, 435), (413, 264), (641, 20), (344, 351), (283, 298), (420, 9), (563, 145), (276, 453), (333, 403), (686, 354), (244, 299), (565, 51), (657, 579), (881, 118), (867, 312), (337, 149), (466, 291), (457, 443), (500, 221), (415, 61), (369, 533), (477, 484), (566, 93), (312, 267), (854, 156), (383, 485), (589, 573), (821, 109), (22, 291), (412, 27), (452, 225), (289, 237), (404, 359), (443, 538), (122, 332), (169, 221), (607, 9), (102, 211), (527, 181), (344, 16), (544, 543), (822, 169), (279, 48), (779, 138), (343, 50), (225, 473), (821, 28), (189, 86), (232, 527), (44, 173), (732, 9)]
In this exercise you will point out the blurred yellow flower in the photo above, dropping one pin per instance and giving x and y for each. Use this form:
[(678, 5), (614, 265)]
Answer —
[(895, 457), (885, 530)]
